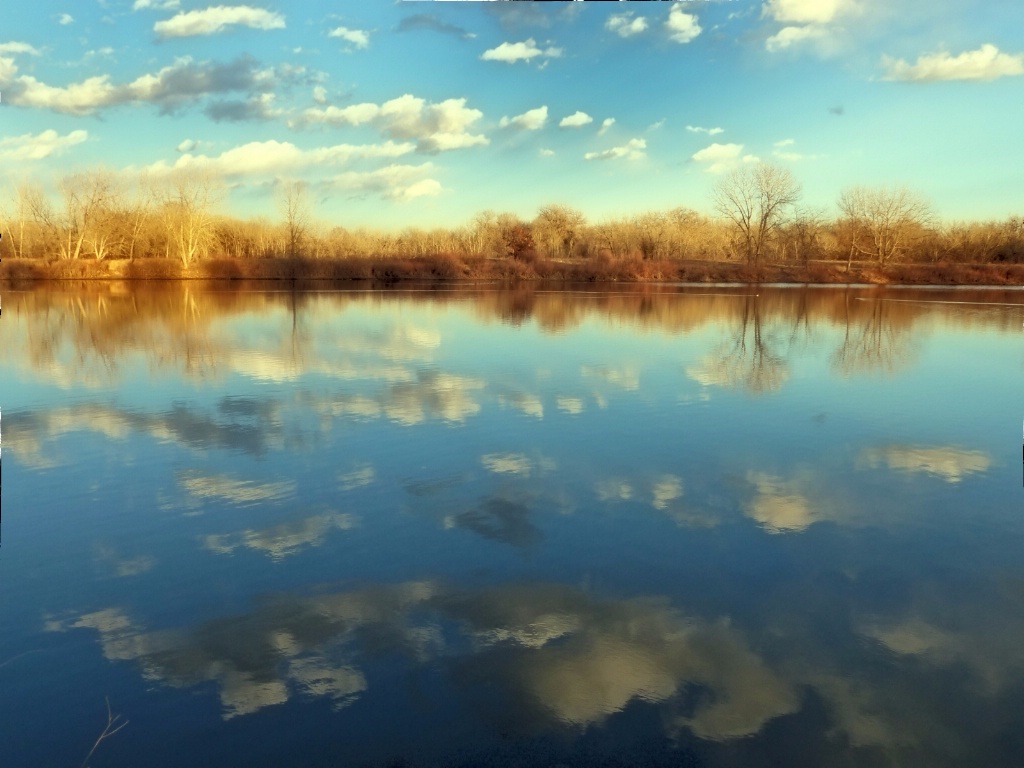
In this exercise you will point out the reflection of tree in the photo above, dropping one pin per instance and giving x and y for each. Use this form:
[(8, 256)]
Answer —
[(502, 519), (872, 342), (752, 360)]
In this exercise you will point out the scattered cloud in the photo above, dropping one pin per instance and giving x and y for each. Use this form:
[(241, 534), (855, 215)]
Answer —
[(187, 145), (183, 81), (15, 47), (778, 506), (524, 51), (156, 5), (428, 21), (656, 125), (213, 20), (546, 152), (806, 11), (434, 127), (683, 27), (39, 146), (631, 150), (788, 36), (605, 125), (718, 157), (803, 20), (576, 120), (320, 94), (986, 63), (625, 25), (357, 478), (65, 18), (275, 157), (668, 488), (708, 131), (531, 120), (259, 107), (357, 37)]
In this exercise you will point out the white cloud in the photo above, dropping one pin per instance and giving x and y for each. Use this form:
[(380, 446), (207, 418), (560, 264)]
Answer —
[(708, 131), (719, 157), (157, 5), (683, 27), (512, 52), (784, 143), (397, 182), (263, 157), (14, 47), (806, 11), (546, 153), (605, 125), (38, 147), (625, 25), (787, 36), (531, 120), (576, 120), (65, 18), (187, 145), (631, 150), (181, 82), (215, 19), (320, 94), (986, 63), (435, 127), (357, 37)]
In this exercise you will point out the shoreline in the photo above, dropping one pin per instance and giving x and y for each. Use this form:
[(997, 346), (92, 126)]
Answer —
[(448, 268)]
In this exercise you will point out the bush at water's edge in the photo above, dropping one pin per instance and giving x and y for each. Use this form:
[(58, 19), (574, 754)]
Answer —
[(451, 267)]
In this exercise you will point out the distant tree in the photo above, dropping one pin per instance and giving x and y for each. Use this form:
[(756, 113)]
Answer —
[(516, 236), (885, 218), (189, 202), (755, 199), (558, 228), (294, 204)]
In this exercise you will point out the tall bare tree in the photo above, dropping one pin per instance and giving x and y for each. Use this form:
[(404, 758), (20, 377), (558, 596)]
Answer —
[(190, 202), (755, 198), (294, 204), (885, 219)]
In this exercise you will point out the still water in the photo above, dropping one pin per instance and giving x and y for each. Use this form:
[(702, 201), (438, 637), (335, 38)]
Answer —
[(723, 526)]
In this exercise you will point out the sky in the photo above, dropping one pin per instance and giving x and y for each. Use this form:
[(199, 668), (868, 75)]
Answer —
[(419, 113)]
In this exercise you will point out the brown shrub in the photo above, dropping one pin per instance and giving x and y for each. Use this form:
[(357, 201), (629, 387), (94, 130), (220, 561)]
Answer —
[(153, 269)]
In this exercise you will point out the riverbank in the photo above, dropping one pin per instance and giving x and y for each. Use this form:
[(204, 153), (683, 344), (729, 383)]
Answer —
[(448, 267)]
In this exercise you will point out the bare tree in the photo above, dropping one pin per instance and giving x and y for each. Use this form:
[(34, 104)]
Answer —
[(885, 219), (558, 228), (293, 202), (755, 198), (189, 206)]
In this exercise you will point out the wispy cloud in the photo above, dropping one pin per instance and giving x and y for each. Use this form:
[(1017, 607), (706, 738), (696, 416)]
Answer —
[(631, 150), (39, 146), (607, 123), (358, 37), (524, 51), (216, 19), (531, 120), (986, 63), (434, 127), (708, 131), (625, 25)]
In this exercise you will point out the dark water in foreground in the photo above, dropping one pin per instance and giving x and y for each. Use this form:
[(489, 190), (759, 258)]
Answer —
[(651, 526)]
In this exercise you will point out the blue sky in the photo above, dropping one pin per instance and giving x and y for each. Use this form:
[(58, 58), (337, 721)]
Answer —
[(424, 113)]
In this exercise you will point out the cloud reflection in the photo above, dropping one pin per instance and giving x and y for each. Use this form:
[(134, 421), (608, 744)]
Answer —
[(950, 463)]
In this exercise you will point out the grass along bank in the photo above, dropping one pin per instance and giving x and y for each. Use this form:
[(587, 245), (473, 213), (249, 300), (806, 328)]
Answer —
[(448, 267)]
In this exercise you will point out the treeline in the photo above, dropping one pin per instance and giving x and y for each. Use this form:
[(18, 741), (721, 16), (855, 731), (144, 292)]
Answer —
[(100, 216)]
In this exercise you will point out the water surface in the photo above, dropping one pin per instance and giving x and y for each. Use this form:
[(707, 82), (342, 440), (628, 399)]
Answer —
[(632, 526)]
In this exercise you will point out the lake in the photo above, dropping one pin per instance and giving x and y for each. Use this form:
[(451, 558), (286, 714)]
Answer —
[(476, 526)]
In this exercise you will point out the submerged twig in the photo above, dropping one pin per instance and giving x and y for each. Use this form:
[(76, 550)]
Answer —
[(109, 731)]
